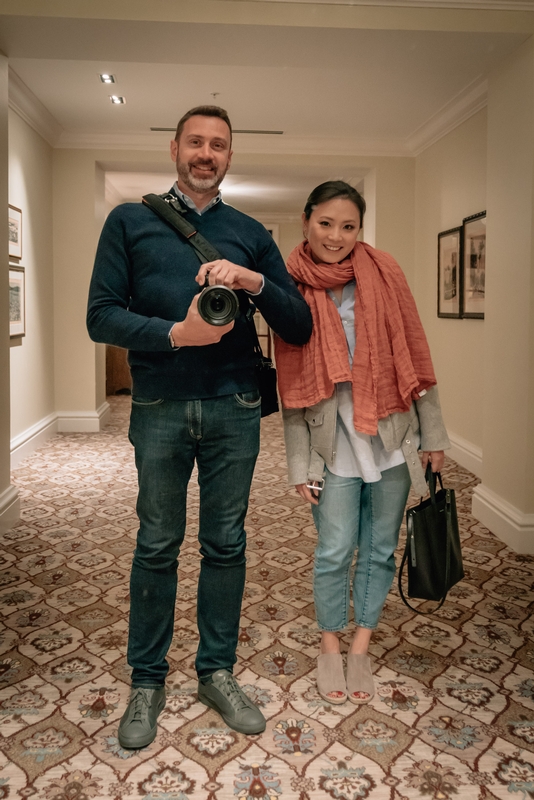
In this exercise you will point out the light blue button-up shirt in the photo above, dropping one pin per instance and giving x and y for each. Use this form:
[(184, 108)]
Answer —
[(190, 204), (357, 455)]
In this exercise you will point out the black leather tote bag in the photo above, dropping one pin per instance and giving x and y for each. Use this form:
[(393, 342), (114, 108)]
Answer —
[(433, 555)]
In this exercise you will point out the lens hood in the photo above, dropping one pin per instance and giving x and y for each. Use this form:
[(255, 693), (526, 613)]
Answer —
[(218, 305)]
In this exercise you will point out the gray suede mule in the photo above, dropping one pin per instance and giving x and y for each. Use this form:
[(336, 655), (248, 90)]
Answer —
[(331, 678), (360, 684)]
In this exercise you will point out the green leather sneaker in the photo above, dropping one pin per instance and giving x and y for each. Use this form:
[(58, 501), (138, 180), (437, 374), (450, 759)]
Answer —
[(225, 696), (139, 723)]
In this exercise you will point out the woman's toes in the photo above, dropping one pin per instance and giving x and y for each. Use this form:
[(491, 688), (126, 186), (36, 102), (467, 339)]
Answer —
[(361, 695)]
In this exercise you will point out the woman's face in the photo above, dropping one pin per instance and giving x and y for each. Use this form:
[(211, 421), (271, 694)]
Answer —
[(332, 230)]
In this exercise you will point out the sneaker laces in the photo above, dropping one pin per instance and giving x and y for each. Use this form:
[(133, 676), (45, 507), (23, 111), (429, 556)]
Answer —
[(235, 694), (139, 699)]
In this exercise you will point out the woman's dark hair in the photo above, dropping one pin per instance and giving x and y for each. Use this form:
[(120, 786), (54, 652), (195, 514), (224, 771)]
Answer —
[(331, 190)]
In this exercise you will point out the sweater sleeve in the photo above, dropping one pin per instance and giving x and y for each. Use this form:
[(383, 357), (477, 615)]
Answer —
[(297, 440), (109, 319), (280, 302), (433, 432)]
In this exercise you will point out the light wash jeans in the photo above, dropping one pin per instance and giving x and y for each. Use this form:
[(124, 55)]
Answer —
[(222, 435), (356, 516)]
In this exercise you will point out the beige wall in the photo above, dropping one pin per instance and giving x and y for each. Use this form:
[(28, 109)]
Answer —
[(9, 500), (78, 205), (450, 185), (32, 356), (289, 236), (79, 210), (505, 499)]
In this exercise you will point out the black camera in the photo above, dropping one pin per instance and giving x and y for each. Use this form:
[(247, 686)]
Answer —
[(218, 305)]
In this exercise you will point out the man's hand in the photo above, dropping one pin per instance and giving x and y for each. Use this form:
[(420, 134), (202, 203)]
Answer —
[(224, 273), (436, 458), (195, 332)]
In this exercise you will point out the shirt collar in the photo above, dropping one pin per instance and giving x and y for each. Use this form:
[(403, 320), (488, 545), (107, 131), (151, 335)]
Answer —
[(186, 200)]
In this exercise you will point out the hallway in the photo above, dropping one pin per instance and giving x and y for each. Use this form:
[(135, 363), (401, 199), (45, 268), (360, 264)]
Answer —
[(453, 716)]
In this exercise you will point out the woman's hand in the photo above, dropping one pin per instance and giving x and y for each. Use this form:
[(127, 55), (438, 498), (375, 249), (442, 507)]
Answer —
[(436, 458), (306, 493)]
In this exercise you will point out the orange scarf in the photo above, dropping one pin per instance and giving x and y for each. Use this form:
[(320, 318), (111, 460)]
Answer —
[(391, 363)]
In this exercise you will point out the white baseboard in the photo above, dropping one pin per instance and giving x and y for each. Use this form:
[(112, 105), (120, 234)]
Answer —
[(512, 526), (32, 438), (29, 440), (9, 508), (84, 421), (465, 453)]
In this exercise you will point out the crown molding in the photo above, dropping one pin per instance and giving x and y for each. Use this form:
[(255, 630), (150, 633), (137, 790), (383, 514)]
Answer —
[(470, 100), (112, 141), (466, 103), (483, 5), (274, 218), (24, 103), (246, 143)]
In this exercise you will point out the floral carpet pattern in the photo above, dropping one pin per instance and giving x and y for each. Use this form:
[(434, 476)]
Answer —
[(453, 714)]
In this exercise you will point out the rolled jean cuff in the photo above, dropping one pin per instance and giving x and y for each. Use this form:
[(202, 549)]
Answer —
[(148, 685)]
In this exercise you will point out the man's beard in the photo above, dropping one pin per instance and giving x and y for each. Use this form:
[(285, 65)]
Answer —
[(200, 185)]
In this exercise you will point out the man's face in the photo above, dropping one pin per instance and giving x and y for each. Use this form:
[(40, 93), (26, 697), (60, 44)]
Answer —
[(203, 154)]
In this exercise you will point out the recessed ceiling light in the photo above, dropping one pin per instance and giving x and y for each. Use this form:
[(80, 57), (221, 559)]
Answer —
[(117, 100), (105, 78)]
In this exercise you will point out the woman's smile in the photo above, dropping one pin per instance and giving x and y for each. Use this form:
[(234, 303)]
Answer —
[(332, 230)]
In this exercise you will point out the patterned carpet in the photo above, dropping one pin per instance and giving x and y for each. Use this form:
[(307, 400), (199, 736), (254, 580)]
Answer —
[(453, 716)]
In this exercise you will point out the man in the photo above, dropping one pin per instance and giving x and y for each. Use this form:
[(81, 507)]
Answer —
[(194, 399)]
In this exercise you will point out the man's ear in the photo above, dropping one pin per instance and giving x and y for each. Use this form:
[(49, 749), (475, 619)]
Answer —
[(174, 150)]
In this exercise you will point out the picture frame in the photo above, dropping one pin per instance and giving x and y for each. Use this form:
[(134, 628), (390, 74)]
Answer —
[(474, 266), (450, 273), (15, 232), (17, 301)]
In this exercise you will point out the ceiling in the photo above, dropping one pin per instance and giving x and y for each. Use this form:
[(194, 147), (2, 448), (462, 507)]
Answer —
[(329, 89)]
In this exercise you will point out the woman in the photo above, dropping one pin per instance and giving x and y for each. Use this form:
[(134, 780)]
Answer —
[(359, 400)]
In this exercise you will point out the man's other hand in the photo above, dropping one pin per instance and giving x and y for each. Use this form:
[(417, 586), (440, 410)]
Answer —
[(225, 273), (194, 331)]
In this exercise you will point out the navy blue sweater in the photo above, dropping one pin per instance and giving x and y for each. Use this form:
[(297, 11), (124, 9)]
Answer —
[(144, 280)]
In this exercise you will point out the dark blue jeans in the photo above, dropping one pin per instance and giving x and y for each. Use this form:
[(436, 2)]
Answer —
[(222, 435)]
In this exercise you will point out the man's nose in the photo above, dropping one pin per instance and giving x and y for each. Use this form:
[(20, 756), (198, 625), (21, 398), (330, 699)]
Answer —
[(205, 152)]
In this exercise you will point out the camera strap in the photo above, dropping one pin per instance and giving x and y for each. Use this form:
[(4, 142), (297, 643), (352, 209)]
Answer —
[(167, 207)]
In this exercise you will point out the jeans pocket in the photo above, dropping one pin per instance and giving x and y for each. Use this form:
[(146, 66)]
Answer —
[(146, 401), (250, 399)]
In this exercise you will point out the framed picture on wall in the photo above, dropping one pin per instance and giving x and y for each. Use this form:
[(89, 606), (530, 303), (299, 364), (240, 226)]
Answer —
[(274, 230), (17, 302), (474, 266), (449, 273), (15, 232)]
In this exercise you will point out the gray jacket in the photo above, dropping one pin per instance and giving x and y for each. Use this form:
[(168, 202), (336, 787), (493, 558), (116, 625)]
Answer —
[(310, 435)]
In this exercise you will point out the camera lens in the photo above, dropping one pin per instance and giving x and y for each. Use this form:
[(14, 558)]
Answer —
[(218, 305)]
